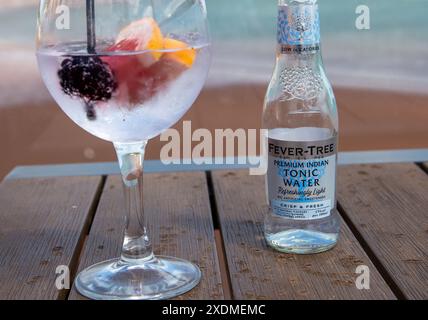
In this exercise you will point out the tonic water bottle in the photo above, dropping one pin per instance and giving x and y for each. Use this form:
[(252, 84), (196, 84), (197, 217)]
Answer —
[(301, 140)]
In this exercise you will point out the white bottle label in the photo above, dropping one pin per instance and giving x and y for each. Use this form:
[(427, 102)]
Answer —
[(301, 178)]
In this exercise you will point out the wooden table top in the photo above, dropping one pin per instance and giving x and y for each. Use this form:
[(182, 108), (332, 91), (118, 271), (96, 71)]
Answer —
[(214, 218)]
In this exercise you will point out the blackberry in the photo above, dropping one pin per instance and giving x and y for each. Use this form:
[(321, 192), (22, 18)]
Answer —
[(88, 78)]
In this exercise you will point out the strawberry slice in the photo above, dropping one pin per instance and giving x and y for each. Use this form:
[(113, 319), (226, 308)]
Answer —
[(146, 72), (127, 70)]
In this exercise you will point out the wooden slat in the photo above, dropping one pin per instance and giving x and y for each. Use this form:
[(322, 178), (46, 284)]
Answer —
[(179, 217), (388, 205), (42, 226), (258, 272)]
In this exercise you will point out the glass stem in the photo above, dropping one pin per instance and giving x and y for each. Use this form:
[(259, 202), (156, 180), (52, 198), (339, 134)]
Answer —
[(136, 243)]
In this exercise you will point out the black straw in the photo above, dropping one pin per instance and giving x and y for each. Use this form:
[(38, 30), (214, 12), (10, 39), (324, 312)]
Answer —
[(90, 25)]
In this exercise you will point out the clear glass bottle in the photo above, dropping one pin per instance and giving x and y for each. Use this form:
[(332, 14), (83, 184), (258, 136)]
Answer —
[(301, 119)]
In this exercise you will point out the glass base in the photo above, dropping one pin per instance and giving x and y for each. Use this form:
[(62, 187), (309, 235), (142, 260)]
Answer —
[(154, 279), (302, 241)]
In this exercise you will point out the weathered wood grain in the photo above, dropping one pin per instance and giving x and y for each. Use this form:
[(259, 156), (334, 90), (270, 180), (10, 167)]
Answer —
[(180, 223), (388, 205), (42, 226), (258, 272)]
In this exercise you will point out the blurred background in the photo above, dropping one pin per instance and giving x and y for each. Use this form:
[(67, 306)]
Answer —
[(380, 77)]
